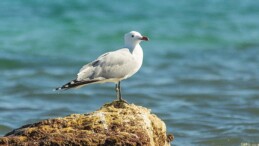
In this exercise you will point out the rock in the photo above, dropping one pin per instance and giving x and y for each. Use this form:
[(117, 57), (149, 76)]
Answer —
[(116, 123)]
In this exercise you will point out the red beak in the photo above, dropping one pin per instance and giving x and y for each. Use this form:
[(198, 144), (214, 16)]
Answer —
[(144, 38)]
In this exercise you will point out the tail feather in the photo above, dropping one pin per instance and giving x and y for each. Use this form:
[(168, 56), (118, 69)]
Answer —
[(74, 84)]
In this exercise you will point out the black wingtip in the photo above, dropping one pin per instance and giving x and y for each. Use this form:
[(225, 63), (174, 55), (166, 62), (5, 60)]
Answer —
[(57, 89), (74, 84), (66, 86)]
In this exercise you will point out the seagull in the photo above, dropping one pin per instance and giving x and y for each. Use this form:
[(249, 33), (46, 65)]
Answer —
[(112, 66)]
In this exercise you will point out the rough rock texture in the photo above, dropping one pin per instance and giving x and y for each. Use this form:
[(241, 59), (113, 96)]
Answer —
[(116, 123)]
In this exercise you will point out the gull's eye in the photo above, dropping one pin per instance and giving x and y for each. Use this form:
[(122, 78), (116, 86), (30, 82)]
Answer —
[(132, 36)]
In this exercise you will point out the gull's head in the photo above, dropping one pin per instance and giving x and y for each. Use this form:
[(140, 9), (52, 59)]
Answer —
[(133, 38)]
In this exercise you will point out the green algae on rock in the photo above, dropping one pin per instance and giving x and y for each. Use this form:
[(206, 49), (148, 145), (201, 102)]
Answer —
[(116, 123)]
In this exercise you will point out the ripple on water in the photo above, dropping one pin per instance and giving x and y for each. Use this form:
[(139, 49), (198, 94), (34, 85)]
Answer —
[(4, 129)]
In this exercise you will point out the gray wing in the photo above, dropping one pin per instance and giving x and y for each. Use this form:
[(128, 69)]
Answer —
[(117, 64)]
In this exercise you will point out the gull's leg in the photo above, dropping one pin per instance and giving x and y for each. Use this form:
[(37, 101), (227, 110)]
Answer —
[(119, 87), (118, 92)]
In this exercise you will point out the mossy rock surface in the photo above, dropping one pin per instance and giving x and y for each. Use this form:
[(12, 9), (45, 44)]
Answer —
[(116, 123)]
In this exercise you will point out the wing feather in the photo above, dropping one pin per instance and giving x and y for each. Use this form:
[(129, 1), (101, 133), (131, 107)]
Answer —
[(109, 65)]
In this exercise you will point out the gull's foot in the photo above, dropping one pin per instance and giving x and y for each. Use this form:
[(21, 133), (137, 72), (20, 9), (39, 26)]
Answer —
[(120, 103), (124, 101)]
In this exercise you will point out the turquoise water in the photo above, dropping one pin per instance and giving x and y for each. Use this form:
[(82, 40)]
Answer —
[(200, 72)]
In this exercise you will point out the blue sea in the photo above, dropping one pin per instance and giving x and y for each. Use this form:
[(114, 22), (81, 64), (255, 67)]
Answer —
[(200, 72)]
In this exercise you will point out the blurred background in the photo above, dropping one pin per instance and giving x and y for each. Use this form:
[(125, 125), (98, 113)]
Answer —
[(200, 72)]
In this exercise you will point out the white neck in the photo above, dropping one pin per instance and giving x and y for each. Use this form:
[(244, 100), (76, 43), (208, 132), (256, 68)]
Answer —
[(131, 45), (137, 55), (137, 52)]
